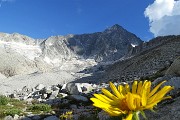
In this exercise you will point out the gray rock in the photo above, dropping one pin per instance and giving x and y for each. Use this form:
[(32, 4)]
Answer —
[(26, 118), (47, 90), (36, 117), (86, 87), (78, 98), (16, 117), (169, 111), (174, 69), (62, 95), (55, 88), (73, 88), (44, 96), (65, 101), (175, 81), (54, 94), (73, 106), (39, 86), (8, 118), (51, 118)]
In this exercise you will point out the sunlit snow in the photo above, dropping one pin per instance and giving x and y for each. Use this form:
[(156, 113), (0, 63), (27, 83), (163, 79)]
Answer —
[(133, 45), (29, 51)]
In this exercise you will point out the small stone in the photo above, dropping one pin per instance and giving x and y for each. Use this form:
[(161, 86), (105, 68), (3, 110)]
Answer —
[(44, 96), (26, 118), (62, 95), (63, 89), (65, 101), (55, 88), (39, 87), (36, 117), (8, 118), (51, 118), (73, 106), (13, 95), (79, 98), (16, 117), (54, 94), (73, 88), (47, 90)]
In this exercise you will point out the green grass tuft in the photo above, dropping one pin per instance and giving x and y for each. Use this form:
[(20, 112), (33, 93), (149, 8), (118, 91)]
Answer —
[(12, 112), (3, 100), (40, 107)]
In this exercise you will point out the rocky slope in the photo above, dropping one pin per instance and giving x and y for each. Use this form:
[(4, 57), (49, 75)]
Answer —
[(152, 57)]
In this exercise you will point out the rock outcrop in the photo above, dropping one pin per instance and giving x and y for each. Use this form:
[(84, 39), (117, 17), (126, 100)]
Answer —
[(174, 69)]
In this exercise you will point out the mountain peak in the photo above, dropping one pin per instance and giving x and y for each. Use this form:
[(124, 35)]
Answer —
[(115, 28)]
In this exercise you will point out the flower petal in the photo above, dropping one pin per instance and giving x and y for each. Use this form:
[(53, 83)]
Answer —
[(149, 87), (121, 89), (129, 117), (155, 89), (163, 91), (115, 91), (139, 88), (103, 98), (99, 103), (108, 94), (130, 101), (127, 88), (134, 87), (112, 113), (144, 94)]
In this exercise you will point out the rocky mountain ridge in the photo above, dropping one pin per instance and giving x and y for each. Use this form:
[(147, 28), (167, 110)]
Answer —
[(147, 59), (56, 51)]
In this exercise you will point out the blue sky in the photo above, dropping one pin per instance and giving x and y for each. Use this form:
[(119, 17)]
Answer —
[(44, 18)]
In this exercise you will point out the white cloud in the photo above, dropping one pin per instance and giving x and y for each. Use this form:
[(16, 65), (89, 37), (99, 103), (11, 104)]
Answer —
[(164, 17), (3, 1)]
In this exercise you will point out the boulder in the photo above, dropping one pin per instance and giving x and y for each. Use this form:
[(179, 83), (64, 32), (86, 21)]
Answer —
[(73, 88), (78, 98), (8, 118), (174, 69), (39, 86), (166, 111)]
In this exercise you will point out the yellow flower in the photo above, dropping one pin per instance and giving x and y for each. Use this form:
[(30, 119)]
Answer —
[(129, 101)]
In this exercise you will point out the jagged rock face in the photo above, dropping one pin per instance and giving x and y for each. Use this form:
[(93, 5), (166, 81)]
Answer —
[(146, 62), (110, 45), (55, 50)]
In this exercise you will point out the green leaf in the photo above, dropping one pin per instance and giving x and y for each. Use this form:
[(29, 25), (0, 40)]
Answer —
[(153, 110), (143, 114)]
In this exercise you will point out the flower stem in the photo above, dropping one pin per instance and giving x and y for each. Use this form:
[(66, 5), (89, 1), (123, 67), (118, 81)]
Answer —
[(136, 116)]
